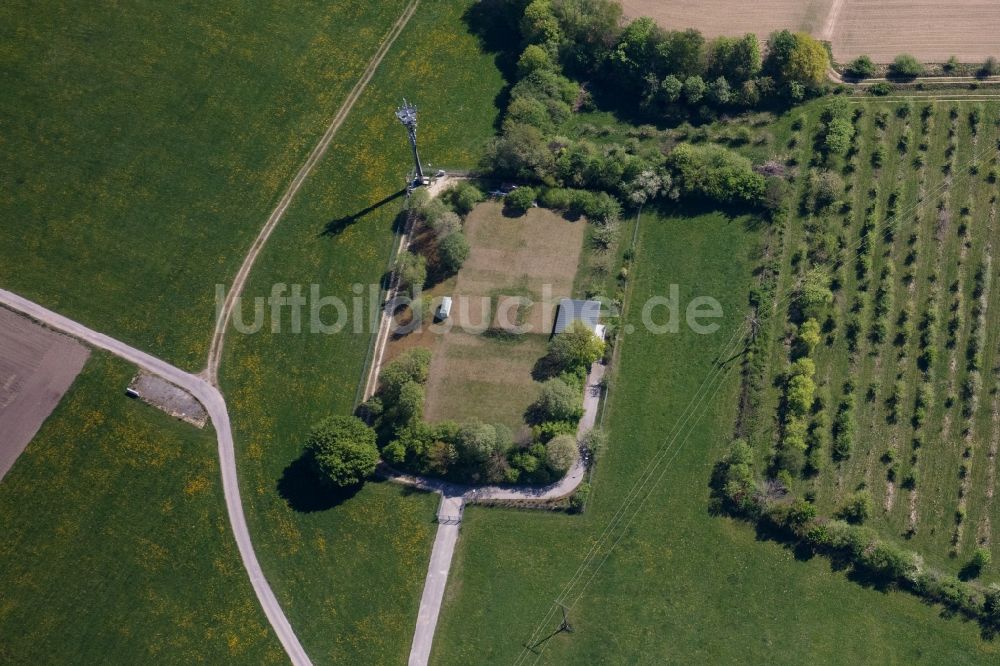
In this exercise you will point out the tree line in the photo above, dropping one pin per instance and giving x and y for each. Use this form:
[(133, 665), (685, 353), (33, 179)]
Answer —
[(669, 74), (576, 52)]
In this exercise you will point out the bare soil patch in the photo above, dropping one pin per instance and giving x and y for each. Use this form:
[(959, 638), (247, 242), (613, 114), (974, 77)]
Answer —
[(933, 32), (882, 29), (726, 17), (37, 366), (169, 398)]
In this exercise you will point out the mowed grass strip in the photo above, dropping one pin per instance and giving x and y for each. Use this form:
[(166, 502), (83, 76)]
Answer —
[(488, 375), (349, 571), (682, 585), (144, 145), (475, 377), (115, 545)]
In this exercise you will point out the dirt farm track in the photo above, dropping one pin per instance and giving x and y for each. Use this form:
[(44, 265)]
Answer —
[(930, 30)]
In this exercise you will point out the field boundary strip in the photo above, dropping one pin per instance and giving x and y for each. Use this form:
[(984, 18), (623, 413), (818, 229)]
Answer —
[(211, 371)]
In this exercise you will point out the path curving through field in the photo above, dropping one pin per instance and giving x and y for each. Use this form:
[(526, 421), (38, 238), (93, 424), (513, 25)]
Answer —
[(211, 371), (215, 405), (204, 386), (455, 496)]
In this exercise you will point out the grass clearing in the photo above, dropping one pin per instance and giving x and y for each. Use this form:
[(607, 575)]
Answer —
[(476, 377), (488, 376), (115, 544), (681, 586), (349, 571), (145, 144), (530, 255)]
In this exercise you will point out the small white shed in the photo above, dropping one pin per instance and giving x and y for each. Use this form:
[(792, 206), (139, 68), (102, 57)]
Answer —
[(444, 310)]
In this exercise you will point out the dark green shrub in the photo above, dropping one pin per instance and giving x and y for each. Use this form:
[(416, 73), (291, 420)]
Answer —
[(578, 500), (453, 250), (906, 66), (881, 89), (463, 197), (990, 67), (861, 67), (857, 507), (519, 200)]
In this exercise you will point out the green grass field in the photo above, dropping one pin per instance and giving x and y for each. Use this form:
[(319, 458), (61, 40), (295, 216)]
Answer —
[(477, 378), (115, 545), (349, 576), (144, 146), (681, 586)]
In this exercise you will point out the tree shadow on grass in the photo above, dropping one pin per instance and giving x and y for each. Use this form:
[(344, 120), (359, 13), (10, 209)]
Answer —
[(306, 493), (493, 22), (545, 368), (339, 225)]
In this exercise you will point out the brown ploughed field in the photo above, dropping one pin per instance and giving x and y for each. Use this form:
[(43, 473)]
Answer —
[(882, 29), (36, 367)]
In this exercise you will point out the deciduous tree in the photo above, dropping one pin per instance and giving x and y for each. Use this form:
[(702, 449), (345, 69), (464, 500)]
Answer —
[(342, 450)]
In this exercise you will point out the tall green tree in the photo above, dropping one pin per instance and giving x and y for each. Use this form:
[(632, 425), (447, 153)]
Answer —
[(539, 26), (736, 58), (342, 451), (797, 59), (560, 453), (411, 269), (453, 250), (683, 53), (558, 401), (589, 29), (412, 366), (636, 54), (576, 347)]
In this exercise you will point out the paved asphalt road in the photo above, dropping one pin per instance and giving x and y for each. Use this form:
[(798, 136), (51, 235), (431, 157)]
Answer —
[(215, 405)]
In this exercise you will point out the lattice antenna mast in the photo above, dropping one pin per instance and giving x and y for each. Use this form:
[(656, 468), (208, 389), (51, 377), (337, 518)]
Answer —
[(407, 115)]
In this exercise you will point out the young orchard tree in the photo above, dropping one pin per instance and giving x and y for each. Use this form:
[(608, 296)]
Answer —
[(857, 507), (808, 337)]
